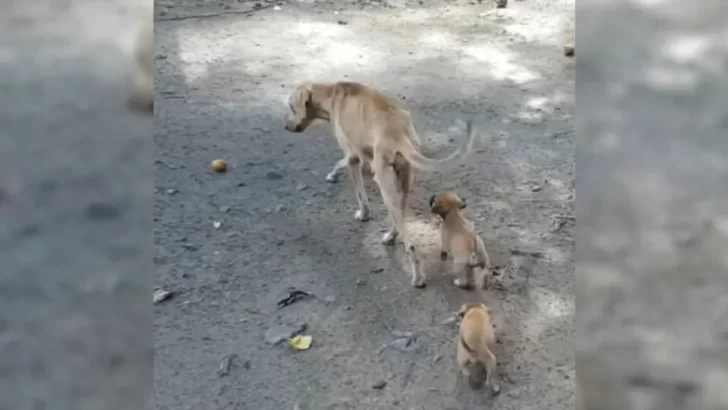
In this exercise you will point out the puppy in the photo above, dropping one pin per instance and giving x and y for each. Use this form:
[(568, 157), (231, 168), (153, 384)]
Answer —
[(371, 128), (458, 238), (142, 99), (476, 338)]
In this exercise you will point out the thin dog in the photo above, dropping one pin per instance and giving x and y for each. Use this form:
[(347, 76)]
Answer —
[(459, 239), (371, 128), (476, 338)]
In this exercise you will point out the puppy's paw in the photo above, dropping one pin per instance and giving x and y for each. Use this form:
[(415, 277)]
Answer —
[(463, 284), (362, 215), (332, 177), (389, 238), (495, 389), (443, 255)]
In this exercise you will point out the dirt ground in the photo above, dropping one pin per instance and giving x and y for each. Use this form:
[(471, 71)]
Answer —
[(231, 245)]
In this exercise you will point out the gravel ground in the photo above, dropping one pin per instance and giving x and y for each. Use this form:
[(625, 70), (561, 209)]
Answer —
[(231, 245)]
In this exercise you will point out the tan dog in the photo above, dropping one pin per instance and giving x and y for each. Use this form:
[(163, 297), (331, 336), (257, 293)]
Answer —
[(475, 341), (372, 129), (458, 238), (143, 96)]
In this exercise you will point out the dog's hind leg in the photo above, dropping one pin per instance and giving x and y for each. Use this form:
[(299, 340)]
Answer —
[(465, 274), (402, 182), (333, 176), (394, 199), (362, 214), (490, 382)]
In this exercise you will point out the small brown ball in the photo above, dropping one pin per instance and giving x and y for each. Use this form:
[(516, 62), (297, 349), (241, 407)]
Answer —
[(569, 50), (219, 165)]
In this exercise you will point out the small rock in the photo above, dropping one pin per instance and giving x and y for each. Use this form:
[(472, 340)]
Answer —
[(225, 209), (273, 176), (536, 188), (437, 358), (379, 385), (225, 364), (301, 187), (501, 4), (342, 22), (280, 333), (360, 282), (377, 270), (172, 191), (257, 6), (347, 307), (404, 344), (160, 295), (280, 208), (276, 8), (217, 224), (330, 299), (227, 7)]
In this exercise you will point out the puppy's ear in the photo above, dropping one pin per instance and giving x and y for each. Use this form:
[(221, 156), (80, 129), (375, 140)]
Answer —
[(432, 200)]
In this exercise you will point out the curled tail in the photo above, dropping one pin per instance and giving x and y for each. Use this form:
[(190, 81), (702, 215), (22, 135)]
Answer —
[(419, 161)]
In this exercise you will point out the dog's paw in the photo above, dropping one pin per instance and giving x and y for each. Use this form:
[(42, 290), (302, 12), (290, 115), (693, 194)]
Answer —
[(419, 283), (389, 238), (486, 282), (332, 177), (362, 215), (463, 284), (495, 389)]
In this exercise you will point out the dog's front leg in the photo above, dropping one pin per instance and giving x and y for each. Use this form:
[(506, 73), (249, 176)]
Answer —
[(362, 214), (333, 176)]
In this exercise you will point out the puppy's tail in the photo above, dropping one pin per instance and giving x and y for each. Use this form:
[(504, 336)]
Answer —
[(419, 161)]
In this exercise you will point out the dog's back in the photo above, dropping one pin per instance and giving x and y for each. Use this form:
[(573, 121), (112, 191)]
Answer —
[(370, 117)]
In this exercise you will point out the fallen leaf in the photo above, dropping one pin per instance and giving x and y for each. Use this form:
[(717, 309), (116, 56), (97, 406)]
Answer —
[(300, 342)]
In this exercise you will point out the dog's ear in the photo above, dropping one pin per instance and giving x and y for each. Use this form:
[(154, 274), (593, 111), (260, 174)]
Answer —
[(306, 94), (432, 200), (463, 204), (467, 306)]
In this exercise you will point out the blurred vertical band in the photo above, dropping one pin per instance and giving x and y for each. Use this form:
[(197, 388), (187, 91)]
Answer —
[(75, 209), (652, 205)]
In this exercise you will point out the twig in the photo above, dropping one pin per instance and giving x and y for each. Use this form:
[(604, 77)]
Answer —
[(519, 252), (218, 14)]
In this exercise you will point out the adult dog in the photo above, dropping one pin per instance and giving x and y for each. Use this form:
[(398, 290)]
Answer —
[(371, 128)]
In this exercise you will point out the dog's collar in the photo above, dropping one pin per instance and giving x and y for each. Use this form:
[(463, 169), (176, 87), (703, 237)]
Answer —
[(465, 345)]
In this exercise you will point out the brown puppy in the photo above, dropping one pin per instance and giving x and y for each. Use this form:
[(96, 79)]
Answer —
[(143, 96), (475, 341), (458, 238), (372, 129)]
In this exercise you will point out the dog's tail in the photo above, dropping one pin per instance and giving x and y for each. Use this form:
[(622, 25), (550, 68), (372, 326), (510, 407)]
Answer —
[(419, 161)]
